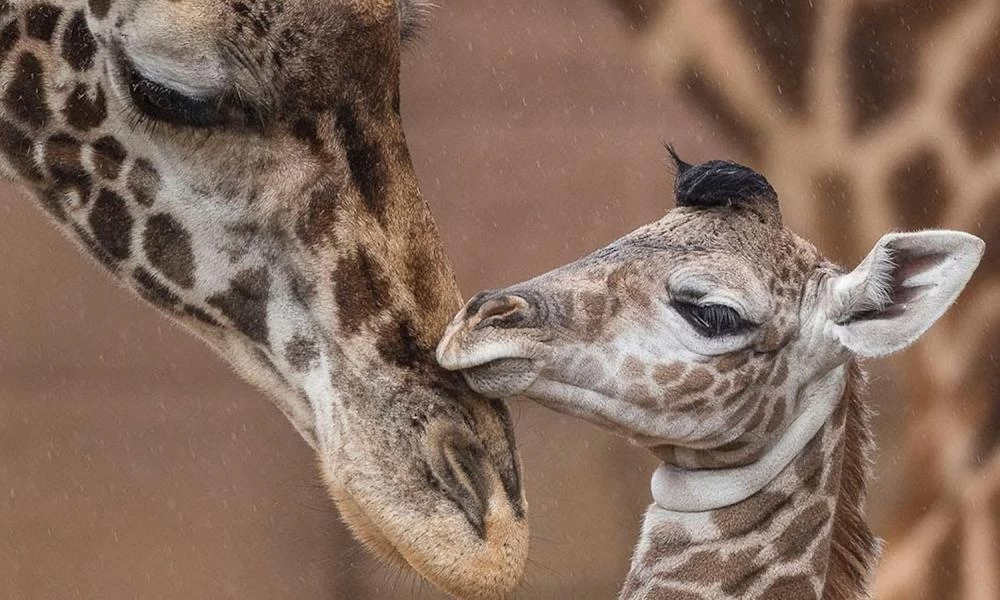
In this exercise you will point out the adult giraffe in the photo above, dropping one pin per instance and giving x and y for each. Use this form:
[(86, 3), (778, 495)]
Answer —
[(242, 166)]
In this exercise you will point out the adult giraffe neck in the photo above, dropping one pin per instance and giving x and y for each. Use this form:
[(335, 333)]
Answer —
[(698, 490)]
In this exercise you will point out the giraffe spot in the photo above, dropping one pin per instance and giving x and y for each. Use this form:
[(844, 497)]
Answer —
[(753, 514), (320, 215), (143, 182), (782, 34), (96, 250), (798, 535), (799, 587), (245, 303), (63, 157), (698, 380), (949, 562), (108, 157), (732, 568), (111, 224), (639, 395), (919, 189), (199, 314), (364, 159), (8, 38), (25, 96), (168, 248), (425, 269), (79, 46), (836, 197), (734, 446), (975, 105), (82, 111), (152, 290), (18, 149), (777, 417), (362, 289), (54, 200), (632, 368), (40, 21), (883, 53), (731, 362), (99, 8), (780, 374), (665, 592), (708, 96), (809, 465), (398, 344), (667, 375), (301, 352), (595, 308)]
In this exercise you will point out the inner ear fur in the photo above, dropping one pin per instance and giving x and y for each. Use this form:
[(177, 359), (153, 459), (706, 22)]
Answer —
[(901, 288)]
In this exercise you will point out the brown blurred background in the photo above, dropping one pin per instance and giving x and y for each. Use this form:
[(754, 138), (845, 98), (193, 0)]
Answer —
[(134, 464)]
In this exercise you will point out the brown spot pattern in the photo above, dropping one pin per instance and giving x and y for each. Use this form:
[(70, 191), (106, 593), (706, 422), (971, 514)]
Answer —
[(245, 303), (99, 8), (153, 290), (111, 224), (143, 182), (108, 157), (920, 190), (362, 289), (782, 34), (17, 147), (40, 21), (8, 38), (82, 111), (790, 587), (168, 248), (25, 95), (301, 352), (79, 46)]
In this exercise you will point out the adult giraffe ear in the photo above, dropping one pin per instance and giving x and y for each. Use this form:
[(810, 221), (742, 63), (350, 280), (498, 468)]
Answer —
[(901, 288)]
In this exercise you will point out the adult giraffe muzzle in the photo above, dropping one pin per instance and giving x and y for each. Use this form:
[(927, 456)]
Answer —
[(242, 166)]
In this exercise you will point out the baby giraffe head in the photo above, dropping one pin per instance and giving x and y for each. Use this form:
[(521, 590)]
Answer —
[(703, 335)]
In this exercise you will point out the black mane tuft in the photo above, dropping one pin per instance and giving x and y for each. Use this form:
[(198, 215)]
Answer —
[(719, 183)]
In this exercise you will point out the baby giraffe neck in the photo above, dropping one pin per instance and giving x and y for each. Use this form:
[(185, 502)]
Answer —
[(801, 536)]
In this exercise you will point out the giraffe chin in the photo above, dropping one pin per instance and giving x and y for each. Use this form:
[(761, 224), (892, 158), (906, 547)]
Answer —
[(487, 568), (502, 378)]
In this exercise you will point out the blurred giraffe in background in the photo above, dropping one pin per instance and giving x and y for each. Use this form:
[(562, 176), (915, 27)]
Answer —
[(879, 116)]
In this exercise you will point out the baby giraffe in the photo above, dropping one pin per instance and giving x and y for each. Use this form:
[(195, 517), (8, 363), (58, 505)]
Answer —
[(728, 346)]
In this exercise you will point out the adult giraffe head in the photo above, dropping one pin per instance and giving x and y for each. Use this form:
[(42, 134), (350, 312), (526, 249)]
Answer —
[(241, 164)]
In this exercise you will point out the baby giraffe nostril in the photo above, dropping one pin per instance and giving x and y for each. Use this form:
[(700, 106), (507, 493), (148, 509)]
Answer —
[(503, 311), (461, 468)]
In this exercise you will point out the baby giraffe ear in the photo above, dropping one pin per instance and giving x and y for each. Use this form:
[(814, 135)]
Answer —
[(901, 288)]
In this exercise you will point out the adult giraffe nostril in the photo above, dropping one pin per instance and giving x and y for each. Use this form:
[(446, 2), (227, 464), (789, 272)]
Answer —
[(503, 311), (461, 468)]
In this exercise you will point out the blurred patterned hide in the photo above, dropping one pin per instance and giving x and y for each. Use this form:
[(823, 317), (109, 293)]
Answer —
[(869, 116)]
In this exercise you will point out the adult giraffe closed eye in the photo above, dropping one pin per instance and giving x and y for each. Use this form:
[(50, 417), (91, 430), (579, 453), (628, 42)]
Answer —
[(241, 165), (728, 346)]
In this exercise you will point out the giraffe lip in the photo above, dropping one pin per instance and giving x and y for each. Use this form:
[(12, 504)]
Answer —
[(502, 377)]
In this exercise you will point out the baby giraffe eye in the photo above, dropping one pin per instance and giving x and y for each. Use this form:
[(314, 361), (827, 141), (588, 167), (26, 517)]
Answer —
[(712, 320)]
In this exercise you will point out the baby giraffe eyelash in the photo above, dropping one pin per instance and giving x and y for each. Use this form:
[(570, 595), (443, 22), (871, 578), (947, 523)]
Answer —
[(712, 320)]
